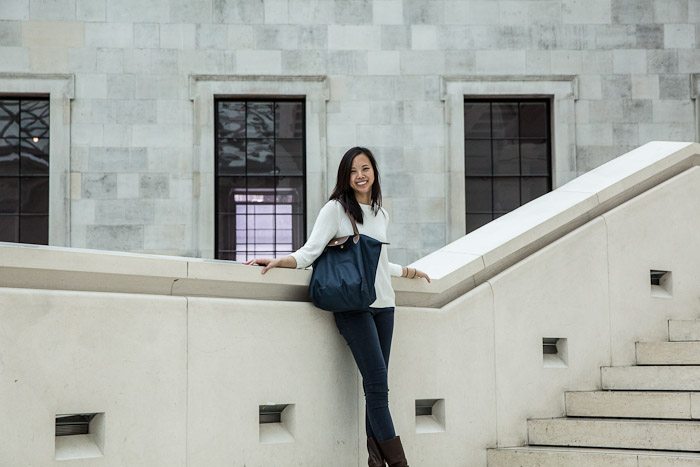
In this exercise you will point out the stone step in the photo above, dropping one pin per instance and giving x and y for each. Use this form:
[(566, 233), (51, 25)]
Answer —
[(651, 378), (667, 435), (684, 330), (633, 404), (668, 353), (533, 456)]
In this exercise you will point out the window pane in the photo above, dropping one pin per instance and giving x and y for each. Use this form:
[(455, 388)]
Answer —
[(290, 193), (505, 157), (506, 194), (35, 156), (261, 190), (228, 189), (231, 120), (290, 120), (505, 120), (478, 194), (534, 157), (533, 187), (226, 231), (290, 156), (9, 228), (478, 157), (261, 158), (9, 156), (9, 118), (474, 221), (231, 157), (260, 120), (9, 195), (477, 120), (34, 229), (34, 195), (533, 119), (34, 118)]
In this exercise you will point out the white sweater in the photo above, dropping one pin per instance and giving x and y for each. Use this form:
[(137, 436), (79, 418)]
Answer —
[(332, 222)]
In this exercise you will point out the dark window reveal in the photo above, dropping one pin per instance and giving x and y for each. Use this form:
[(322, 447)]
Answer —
[(24, 170), (507, 154), (260, 182)]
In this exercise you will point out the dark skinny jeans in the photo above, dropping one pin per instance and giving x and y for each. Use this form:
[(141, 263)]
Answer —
[(368, 334)]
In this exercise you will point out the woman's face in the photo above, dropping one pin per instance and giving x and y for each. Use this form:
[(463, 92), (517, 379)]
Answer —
[(362, 177)]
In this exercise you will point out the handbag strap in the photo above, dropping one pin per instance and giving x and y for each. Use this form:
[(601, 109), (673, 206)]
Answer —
[(356, 233)]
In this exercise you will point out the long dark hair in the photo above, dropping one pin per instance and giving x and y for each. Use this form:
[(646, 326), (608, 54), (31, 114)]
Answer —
[(344, 193)]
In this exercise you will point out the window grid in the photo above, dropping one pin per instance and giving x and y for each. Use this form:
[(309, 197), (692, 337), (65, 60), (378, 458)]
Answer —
[(24, 169), (478, 217), (258, 205)]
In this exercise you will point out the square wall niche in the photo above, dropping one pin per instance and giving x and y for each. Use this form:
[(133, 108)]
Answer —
[(430, 415), (79, 436), (276, 423)]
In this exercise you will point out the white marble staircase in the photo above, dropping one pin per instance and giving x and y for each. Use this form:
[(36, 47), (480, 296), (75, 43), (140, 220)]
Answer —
[(647, 415)]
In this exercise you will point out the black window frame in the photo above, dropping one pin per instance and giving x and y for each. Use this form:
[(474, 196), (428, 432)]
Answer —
[(297, 239), (547, 101)]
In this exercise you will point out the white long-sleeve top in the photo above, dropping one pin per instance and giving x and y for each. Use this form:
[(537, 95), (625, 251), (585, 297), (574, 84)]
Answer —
[(332, 222)]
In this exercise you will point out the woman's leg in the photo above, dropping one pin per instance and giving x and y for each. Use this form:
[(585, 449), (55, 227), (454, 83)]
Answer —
[(384, 321), (362, 335)]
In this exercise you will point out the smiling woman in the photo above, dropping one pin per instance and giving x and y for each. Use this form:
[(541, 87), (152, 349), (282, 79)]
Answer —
[(356, 203)]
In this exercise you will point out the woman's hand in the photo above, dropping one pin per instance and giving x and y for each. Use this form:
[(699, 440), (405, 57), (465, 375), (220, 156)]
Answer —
[(413, 273), (269, 263)]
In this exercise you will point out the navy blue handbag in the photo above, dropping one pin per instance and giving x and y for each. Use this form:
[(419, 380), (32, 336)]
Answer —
[(343, 276)]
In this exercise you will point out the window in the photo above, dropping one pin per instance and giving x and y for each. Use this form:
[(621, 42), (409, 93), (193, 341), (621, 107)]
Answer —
[(507, 156), (24, 170), (259, 173)]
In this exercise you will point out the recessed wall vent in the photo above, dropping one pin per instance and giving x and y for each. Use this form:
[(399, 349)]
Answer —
[(660, 283), (79, 435), (276, 423), (555, 352), (430, 415)]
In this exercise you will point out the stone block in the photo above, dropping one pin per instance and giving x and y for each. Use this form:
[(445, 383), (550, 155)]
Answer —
[(662, 61), (116, 135), (164, 237), (352, 11), (649, 36), (586, 12), (178, 36), (136, 111), (460, 61), (422, 62), (666, 132), (90, 10), (154, 186), (617, 87), (211, 36), (693, 11), (458, 37), (689, 60), (120, 86), (347, 62), (566, 62), (423, 12), (679, 36), (117, 159), (137, 11), (109, 60), (52, 34), (109, 35), (632, 11), (10, 35), (128, 185), (629, 61), (342, 37), (424, 37), (114, 237), (500, 61), (645, 87), (671, 11), (191, 11), (592, 134), (536, 61), (312, 37), (241, 36), (146, 35), (52, 9), (86, 134), (93, 111), (675, 87), (387, 12), (259, 61), (616, 36), (125, 212), (82, 59), (589, 87), (395, 37), (91, 86), (637, 111), (283, 36), (48, 60), (99, 186), (311, 12), (159, 86), (14, 9), (237, 12), (385, 62), (625, 134), (605, 111), (301, 62), (276, 11), (670, 111), (151, 61), (162, 136), (501, 37)]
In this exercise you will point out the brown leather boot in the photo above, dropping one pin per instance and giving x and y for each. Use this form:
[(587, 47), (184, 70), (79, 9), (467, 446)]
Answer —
[(392, 450), (375, 455)]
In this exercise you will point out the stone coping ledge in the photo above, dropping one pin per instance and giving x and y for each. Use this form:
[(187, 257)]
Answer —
[(455, 269)]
